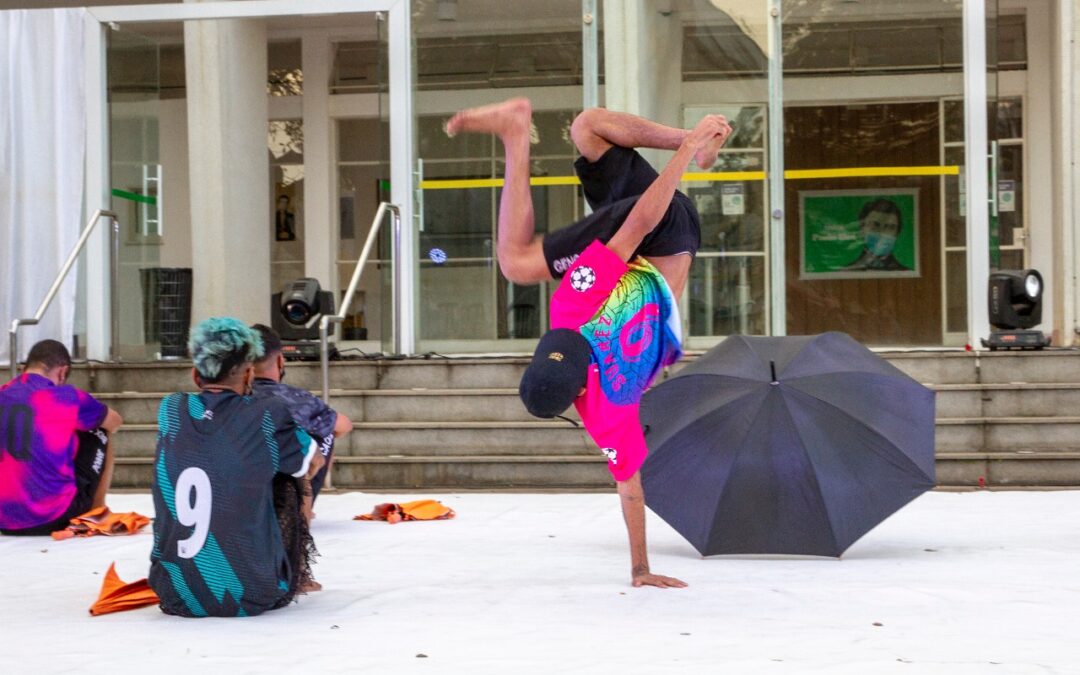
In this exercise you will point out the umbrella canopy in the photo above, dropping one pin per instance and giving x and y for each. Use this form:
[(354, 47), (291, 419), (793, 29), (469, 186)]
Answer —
[(785, 445)]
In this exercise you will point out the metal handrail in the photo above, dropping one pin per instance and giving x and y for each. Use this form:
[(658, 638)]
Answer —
[(114, 244), (395, 261)]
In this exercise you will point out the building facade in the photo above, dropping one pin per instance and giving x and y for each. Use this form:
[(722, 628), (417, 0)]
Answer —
[(886, 157)]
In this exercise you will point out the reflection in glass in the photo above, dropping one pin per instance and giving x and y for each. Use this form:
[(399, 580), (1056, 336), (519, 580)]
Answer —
[(285, 142), (286, 77), (955, 208), (956, 291), (727, 295)]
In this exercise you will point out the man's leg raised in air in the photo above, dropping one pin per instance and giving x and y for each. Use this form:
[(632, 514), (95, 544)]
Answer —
[(596, 130), (520, 253)]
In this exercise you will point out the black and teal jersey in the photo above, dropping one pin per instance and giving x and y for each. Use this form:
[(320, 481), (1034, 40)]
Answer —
[(217, 543)]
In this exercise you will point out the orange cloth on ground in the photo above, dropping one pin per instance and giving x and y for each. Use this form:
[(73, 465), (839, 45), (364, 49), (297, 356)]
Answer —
[(116, 596), (103, 521), (424, 509)]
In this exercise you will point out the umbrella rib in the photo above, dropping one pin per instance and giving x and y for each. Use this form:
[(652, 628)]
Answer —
[(710, 411), (899, 375), (907, 465), (735, 460), (821, 497), (725, 375)]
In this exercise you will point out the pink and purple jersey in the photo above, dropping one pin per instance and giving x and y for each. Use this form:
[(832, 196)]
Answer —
[(38, 421), (629, 316)]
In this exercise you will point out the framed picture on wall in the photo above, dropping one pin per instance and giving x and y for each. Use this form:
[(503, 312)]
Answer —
[(859, 234)]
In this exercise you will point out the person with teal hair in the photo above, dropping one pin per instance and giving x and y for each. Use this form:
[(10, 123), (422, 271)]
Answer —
[(229, 535)]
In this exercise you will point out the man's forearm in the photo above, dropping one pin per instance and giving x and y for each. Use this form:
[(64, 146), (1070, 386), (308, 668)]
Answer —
[(632, 497)]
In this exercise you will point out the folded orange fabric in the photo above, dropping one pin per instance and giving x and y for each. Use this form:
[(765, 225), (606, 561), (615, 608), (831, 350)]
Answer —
[(424, 509), (116, 596), (103, 521)]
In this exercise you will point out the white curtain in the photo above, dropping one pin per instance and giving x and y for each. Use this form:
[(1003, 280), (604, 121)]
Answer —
[(42, 148)]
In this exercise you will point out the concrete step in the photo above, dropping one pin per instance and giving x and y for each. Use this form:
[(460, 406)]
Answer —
[(952, 435), (420, 438), (1014, 400), (444, 373), (1057, 366), (590, 471), (377, 405), (1007, 434), (463, 372), (503, 405)]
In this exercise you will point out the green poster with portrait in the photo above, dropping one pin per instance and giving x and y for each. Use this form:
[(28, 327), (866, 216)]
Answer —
[(859, 234)]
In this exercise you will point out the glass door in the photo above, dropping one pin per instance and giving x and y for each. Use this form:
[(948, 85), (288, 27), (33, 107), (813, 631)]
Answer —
[(137, 182), (866, 165), (725, 62), (359, 87)]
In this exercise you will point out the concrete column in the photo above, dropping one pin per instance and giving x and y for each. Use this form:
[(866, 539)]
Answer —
[(229, 167), (320, 214), (1072, 220), (1065, 28), (643, 62)]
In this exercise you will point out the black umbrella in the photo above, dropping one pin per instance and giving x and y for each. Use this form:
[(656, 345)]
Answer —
[(786, 445)]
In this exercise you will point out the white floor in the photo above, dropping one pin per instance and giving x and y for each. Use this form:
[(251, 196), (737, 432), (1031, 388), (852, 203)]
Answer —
[(521, 583)]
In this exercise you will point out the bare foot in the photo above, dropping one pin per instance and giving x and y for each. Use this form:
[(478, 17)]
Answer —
[(706, 156), (506, 120)]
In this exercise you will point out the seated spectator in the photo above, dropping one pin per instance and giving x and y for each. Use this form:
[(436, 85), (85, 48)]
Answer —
[(229, 535), (322, 422), (55, 456)]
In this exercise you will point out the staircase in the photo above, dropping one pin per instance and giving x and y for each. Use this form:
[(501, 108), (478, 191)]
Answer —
[(1004, 420)]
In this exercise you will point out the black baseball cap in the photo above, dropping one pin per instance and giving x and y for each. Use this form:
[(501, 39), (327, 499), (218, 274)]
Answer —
[(559, 369)]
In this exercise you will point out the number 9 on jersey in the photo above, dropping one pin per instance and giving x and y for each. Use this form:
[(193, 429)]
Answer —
[(193, 510)]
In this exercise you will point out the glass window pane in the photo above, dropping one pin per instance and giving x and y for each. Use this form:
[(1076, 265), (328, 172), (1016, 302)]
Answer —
[(732, 214), (1012, 42), (457, 299), (1010, 118), (956, 291), (362, 140), (955, 209), (1010, 193), (727, 295), (954, 121), (360, 189), (860, 244), (358, 67), (286, 78)]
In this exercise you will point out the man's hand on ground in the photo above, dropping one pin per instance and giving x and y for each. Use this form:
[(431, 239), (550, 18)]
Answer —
[(658, 580)]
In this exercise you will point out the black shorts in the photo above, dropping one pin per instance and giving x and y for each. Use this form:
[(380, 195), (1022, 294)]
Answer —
[(317, 481), (612, 186), (89, 465)]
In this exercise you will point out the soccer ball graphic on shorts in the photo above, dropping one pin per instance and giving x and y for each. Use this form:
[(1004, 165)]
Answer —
[(583, 278)]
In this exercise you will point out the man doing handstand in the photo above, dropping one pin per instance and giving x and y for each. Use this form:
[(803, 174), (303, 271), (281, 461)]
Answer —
[(614, 317)]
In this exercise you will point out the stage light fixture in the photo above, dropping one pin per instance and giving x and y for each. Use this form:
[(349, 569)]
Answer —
[(295, 314), (1015, 299)]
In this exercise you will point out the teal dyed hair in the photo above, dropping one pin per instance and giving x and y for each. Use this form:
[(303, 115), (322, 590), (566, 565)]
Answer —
[(219, 344)]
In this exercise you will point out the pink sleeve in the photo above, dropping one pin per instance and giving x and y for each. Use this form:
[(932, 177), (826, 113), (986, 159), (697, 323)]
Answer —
[(615, 428), (91, 413), (587, 284)]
